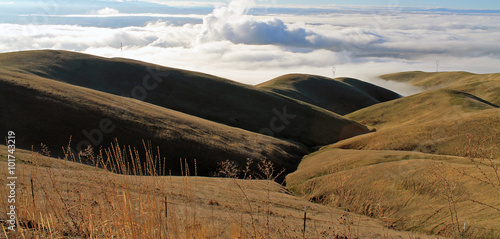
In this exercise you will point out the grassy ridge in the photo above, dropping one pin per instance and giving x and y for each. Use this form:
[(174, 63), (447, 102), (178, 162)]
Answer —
[(197, 94), (45, 111), (431, 122), (442, 105), (340, 95)]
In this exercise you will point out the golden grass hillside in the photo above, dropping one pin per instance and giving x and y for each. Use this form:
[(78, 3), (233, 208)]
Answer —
[(46, 111), (408, 190), (485, 86), (198, 94), (340, 95), (71, 200), (431, 122), (431, 165)]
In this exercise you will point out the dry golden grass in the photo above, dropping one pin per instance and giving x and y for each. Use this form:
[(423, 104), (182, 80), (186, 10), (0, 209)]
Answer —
[(431, 122), (72, 200), (434, 137), (382, 174), (408, 190), (437, 105)]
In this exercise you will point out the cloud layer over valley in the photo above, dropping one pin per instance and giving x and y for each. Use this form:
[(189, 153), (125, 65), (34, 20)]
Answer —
[(252, 47)]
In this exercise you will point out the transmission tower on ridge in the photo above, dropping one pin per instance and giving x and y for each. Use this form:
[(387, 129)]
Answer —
[(121, 49), (334, 70), (437, 66)]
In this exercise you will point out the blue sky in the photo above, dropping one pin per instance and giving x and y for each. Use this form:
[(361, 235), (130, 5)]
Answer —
[(457, 4), (462, 4), (453, 4)]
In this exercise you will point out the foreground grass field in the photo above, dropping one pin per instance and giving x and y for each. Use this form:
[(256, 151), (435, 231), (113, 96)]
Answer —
[(408, 190), (71, 200)]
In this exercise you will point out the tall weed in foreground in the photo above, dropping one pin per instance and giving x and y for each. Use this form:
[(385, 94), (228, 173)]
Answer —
[(55, 203), (265, 171), (450, 180), (482, 158), (118, 194)]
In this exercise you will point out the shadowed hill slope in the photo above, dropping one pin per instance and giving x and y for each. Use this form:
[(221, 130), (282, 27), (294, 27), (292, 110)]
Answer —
[(485, 86), (41, 110), (340, 95), (197, 94)]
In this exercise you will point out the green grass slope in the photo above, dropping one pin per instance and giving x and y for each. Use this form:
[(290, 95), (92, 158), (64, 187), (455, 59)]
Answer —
[(432, 122), (485, 86), (197, 94), (41, 110), (408, 190), (340, 95)]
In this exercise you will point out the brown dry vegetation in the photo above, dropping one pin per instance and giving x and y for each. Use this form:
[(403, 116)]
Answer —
[(72, 200)]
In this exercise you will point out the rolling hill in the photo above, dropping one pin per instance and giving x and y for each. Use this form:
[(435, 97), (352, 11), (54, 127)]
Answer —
[(193, 93), (46, 111), (431, 165), (441, 105), (431, 122), (340, 95)]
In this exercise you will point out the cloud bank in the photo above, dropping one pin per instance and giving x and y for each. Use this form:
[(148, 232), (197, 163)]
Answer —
[(254, 48)]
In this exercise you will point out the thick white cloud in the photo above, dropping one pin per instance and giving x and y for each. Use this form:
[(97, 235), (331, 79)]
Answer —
[(253, 49), (230, 23), (107, 11)]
